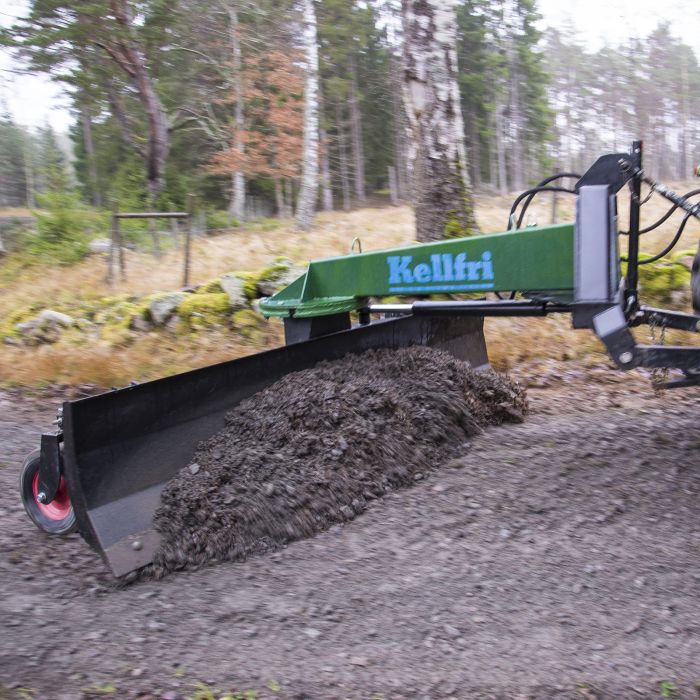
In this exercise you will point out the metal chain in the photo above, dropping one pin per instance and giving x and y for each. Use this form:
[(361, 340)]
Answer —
[(659, 375), (645, 200)]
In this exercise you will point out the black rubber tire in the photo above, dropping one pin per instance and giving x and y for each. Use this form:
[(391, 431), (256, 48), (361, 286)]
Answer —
[(695, 281), (63, 526)]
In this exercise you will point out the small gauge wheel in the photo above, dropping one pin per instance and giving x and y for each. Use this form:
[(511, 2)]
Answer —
[(55, 518)]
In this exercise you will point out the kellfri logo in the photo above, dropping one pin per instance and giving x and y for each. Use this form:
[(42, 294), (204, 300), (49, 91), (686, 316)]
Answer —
[(444, 273)]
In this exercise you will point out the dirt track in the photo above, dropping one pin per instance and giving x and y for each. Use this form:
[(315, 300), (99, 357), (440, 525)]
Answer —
[(558, 558)]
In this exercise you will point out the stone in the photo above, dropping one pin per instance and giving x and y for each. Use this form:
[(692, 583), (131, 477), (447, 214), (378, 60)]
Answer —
[(452, 632), (50, 317), (28, 327), (162, 308), (194, 468), (234, 287), (280, 280), (141, 324), (359, 661), (100, 245)]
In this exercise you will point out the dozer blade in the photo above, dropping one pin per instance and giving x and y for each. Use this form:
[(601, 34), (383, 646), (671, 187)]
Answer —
[(122, 447)]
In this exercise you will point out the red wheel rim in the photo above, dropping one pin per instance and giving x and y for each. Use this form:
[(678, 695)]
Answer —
[(60, 507)]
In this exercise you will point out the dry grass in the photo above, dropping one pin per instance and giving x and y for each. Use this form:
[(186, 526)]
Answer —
[(12, 212), (511, 341), (153, 356)]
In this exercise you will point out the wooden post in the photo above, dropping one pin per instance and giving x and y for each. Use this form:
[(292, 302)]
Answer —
[(112, 242), (188, 240), (120, 248)]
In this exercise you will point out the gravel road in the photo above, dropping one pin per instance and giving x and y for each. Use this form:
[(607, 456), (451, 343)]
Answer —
[(557, 558)]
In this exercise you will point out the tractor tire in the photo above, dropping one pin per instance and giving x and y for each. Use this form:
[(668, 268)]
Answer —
[(55, 518)]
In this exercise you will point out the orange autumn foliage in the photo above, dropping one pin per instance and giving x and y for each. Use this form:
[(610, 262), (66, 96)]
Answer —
[(274, 109)]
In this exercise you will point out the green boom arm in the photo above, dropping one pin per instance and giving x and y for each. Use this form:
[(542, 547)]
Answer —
[(535, 260)]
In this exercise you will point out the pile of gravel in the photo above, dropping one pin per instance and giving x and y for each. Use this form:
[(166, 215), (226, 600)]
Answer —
[(314, 448)]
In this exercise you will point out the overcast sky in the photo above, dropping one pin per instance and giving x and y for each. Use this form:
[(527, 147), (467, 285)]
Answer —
[(34, 101)]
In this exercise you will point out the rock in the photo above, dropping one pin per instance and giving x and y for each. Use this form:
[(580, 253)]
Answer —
[(452, 632), (276, 277), (248, 323), (50, 317), (359, 661), (141, 325), (194, 468), (162, 308), (269, 489), (100, 245), (633, 627), (234, 287), (28, 327), (202, 311), (312, 632)]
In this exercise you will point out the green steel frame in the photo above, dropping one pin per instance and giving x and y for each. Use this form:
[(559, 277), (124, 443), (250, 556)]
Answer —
[(536, 260)]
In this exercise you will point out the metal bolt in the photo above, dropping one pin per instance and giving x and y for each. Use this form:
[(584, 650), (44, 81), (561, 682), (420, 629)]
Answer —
[(626, 358), (137, 545), (41, 497)]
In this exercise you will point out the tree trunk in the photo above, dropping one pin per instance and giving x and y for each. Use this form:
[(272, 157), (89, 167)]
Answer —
[(683, 141), (133, 62), (89, 145), (475, 154), (309, 179), (356, 130), (326, 184), (393, 189), (443, 196), (279, 198), (517, 134), (288, 198), (343, 157), (28, 170), (326, 189), (237, 205), (400, 149), (500, 150)]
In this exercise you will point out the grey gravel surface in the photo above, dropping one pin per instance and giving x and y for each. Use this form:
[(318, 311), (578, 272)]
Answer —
[(559, 558)]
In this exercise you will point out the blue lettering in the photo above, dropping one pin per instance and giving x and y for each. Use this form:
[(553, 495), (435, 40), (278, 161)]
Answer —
[(460, 267), (398, 269), (473, 271), (437, 272), (487, 265), (447, 267), (422, 273)]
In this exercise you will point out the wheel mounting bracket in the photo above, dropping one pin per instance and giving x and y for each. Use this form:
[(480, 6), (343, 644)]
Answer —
[(50, 467)]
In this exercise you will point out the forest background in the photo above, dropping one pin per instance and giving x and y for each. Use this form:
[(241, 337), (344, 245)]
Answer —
[(208, 98), (292, 125)]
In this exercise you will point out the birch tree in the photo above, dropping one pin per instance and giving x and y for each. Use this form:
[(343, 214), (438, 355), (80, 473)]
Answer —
[(309, 179), (442, 196), (237, 208)]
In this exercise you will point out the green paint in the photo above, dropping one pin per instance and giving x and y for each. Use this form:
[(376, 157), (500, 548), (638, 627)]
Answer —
[(527, 260)]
